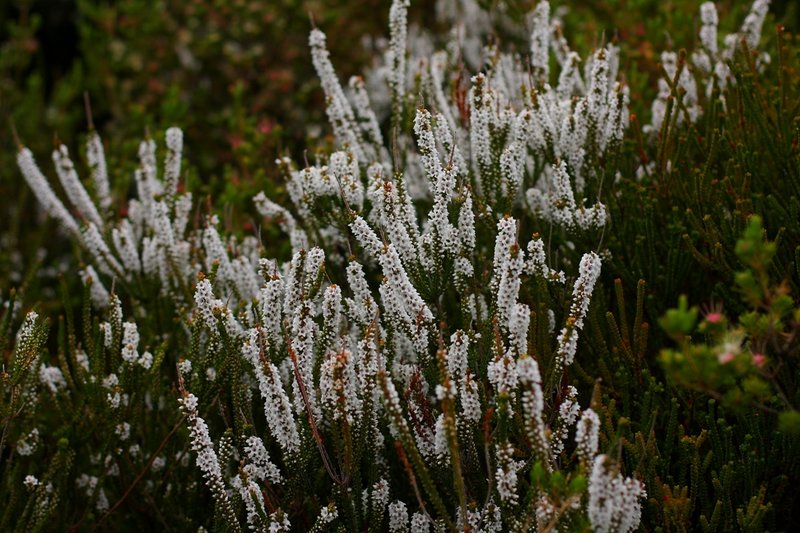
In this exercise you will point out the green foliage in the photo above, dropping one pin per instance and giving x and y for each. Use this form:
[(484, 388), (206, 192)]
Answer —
[(92, 448), (748, 362)]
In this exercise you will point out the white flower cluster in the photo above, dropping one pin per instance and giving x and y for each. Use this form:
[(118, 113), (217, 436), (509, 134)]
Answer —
[(489, 519), (52, 378), (326, 515), (536, 264), (420, 523), (96, 158), (130, 342), (506, 474), (44, 194), (89, 484), (559, 205), (585, 111), (589, 272), (690, 109), (711, 65), (123, 430), (398, 517), (567, 415), (404, 306), (533, 409), (26, 333), (31, 482), (260, 466), (279, 522), (207, 459), (462, 378), (27, 444), (398, 31), (151, 240), (586, 435), (277, 406), (508, 264), (74, 188), (257, 469), (614, 500), (339, 386), (538, 122), (340, 112)]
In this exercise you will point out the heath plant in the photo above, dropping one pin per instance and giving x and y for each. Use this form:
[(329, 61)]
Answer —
[(429, 352)]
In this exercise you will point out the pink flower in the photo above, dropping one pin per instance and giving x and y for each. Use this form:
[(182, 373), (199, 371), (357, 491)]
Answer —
[(759, 360), (714, 317), (725, 358)]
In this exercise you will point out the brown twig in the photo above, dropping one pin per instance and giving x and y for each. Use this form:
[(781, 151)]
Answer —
[(326, 461), (15, 134), (87, 106)]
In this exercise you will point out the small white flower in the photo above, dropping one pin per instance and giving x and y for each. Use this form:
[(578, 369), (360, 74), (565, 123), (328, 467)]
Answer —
[(614, 500), (130, 342), (123, 430), (110, 381), (146, 360), (398, 517), (52, 378), (28, 443), (185, 367), (158, 464), (586, 435)]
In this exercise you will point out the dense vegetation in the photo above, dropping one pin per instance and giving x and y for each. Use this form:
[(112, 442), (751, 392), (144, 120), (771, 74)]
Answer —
[(537, 270)]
